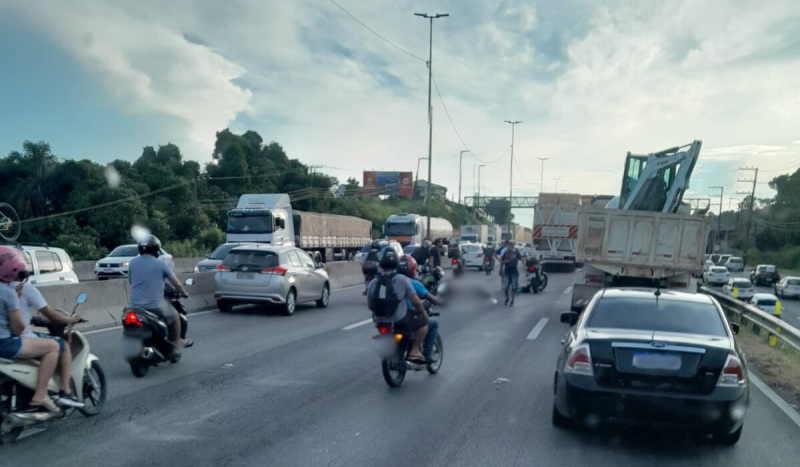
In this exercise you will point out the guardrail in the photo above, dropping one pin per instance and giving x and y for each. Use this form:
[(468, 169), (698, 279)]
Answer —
[(774, 326)]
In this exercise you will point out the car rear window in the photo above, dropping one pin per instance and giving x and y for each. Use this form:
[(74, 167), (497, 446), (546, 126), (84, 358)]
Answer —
[(735, 260), (745, 284), (471, 248), (793, 282), (649, 314), (769, 268), (719, 269), (253, 259), (766, 302)]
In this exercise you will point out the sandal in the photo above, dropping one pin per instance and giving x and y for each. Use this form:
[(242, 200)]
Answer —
[(188, 343), (45, 406)]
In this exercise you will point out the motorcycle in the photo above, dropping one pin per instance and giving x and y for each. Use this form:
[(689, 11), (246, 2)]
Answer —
[(145, 340), (458, 266), (536, 280), (393, 347), (431, 278), (488, 265), (18, 382)]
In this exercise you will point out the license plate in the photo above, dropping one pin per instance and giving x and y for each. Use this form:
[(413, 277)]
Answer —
[(131, 347), (245, 275), (384, 346), (655, 361), (108, 270)]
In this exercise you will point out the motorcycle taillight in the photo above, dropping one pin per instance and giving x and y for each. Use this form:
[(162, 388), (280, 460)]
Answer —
[(132, 320), (455, 261)]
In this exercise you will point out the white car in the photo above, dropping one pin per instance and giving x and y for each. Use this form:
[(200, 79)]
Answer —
[(49, 266), (716, 275), (765, 302), (115, 265), (735, 264), (743, 288), (472, 253), (788, 287)]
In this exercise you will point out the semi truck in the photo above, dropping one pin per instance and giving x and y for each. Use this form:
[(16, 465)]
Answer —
[(474, 233), (555, 230), (269, 218), (644, 237), (495, 233), (412, 229)]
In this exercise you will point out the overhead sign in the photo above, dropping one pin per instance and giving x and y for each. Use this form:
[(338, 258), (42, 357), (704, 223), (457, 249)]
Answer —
[(388, 183)]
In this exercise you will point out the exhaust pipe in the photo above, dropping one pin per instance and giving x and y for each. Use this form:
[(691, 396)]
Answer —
[(147, 353), (18, 420)]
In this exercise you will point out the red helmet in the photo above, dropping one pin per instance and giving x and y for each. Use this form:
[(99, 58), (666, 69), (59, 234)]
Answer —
[(12, 262), (408, 266)]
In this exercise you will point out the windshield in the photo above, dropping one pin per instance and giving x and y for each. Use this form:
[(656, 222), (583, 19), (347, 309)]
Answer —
[(250, 224), (719, 270), (793, 282), (260, 259), (469, 238), (647, 314), (123, 251), (399, 230), (222, 251)]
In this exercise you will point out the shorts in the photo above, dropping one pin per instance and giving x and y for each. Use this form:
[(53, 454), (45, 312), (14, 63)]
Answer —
[(412, 322), (511, 281), (10, 347), (59, 340)]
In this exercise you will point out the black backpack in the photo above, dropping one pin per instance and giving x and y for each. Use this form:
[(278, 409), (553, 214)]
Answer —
[(382, 300), (372, 255)]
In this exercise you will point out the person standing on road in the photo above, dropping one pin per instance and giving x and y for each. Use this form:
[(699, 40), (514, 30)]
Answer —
[(510, 262)]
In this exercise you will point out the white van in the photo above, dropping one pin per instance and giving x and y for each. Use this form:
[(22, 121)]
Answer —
[(49, 266)]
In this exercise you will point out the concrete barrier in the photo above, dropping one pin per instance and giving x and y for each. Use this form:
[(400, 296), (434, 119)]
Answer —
[(85, 269), (344, 274)]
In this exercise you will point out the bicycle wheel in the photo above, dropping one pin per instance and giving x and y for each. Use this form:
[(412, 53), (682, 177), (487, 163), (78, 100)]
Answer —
[(9, 223)]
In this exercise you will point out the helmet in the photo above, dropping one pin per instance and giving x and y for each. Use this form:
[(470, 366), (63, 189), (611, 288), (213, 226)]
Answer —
[(426, 243), (12, 264), (376, 245), (149, 245), (388, 258), (438, 272), (408, 266)]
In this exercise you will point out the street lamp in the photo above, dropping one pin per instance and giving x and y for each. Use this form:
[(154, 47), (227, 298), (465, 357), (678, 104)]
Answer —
[(430, 111), (541, 179), (459, 175), (511, 177), (557, 179), (415, 183), (479, 182)]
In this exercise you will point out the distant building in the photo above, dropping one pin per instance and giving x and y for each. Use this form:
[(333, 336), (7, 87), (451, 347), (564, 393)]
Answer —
[(438, 192)]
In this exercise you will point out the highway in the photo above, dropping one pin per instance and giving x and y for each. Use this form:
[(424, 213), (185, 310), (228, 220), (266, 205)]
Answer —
[(261, 389), (790, 307)]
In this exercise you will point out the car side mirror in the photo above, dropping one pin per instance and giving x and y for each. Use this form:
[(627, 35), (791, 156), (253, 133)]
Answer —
[(569, 317), (189, 281), (320, 265), (735, 328), (208, 255)]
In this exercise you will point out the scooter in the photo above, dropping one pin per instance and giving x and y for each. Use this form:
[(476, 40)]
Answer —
[(145, 335), (393, 347), (458, 266), (488, 265), (534, 283), (18, 382)]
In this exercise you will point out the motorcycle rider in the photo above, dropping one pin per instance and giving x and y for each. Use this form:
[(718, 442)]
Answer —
[(146, 274), (408, 267), (13, 344), (510, 260), (422, 253), (488, 252), (369, 262), (415, 320)]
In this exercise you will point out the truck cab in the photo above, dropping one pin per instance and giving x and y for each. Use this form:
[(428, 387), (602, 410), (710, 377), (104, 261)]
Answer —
[(261, 219)]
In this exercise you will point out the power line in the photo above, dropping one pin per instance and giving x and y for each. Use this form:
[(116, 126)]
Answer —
[(378, 35)]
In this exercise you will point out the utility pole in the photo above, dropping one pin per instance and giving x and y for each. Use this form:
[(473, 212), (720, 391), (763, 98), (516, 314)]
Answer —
[(311, 185), (719, 217), (557, 179), (541, 179), (414, 194), (752, 205), (511, 177), (430, 113), (731, 198), (459, 175), (479, 183)]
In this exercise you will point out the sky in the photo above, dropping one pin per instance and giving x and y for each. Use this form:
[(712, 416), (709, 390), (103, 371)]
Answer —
[(590, 81)]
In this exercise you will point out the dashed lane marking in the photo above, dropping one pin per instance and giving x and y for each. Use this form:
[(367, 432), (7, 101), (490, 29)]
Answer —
[(538, 329), (355, 325)]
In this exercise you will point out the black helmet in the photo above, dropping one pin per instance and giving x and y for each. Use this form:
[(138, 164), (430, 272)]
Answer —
[(438, 272), (149, 245), (376, 245), (388, 258)]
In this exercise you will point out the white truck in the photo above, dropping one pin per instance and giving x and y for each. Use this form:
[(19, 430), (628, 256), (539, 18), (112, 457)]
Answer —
[(555, 230), (495, 233), (474, 233), (269, 218), (411, 229)]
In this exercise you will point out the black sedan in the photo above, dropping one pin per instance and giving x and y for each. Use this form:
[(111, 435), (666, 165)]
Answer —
[(656, 358)]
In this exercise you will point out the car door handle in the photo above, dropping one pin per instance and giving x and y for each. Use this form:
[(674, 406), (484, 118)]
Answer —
[(61, 278), (33, 282)]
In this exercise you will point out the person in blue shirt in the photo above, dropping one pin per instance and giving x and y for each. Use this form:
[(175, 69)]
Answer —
[(408, 267)]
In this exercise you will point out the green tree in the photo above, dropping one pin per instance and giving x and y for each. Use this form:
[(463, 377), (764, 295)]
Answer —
[(500, 211)]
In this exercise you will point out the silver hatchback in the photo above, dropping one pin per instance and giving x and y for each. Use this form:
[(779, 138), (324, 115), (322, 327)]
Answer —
[(267, 274)]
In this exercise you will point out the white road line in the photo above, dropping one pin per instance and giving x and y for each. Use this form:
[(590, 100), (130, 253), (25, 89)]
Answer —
[(568, 290), (348, 288), (355, 325), (538, 329), (97, 331), (776, 399)]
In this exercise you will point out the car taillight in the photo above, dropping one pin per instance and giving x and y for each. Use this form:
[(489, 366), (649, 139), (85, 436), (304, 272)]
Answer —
[(733, 373), (480, 255), (455, 261), (384, 330), (220, 267), (278, 271), (132, 320), (594, 279), (580, 361)]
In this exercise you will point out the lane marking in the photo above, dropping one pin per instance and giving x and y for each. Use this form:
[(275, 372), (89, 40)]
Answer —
[(538, 329), (776, 399), (348, 288), (568, 290), (355, 325), (115, 328)]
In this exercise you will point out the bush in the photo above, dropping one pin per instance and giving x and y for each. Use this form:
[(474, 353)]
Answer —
[(787, 257), (208, 239)]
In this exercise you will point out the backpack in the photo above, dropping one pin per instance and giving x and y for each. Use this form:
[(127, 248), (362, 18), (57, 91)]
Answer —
[(383, 301), (372, 255)]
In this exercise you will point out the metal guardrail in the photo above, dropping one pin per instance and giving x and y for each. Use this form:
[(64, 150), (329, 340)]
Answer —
[(771, 324)]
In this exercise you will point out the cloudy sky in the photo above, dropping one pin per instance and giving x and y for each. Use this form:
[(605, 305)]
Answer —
[(590, 80)]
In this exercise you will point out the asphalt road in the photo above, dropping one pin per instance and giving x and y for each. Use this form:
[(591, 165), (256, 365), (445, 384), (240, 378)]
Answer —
[(266, 390), (790, 307)]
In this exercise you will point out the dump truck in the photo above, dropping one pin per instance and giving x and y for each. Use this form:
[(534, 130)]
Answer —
[(474, 233), (555, 230)]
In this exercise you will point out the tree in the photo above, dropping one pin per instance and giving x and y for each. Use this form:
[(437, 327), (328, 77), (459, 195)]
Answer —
[(500, 211), (35, 162)]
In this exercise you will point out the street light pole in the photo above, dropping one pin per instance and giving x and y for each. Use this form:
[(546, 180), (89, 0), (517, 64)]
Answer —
[(719, 217), (557, 179), (417, 181), (511, 178), (541, 179), (430, 113), (460, 156), (479, 182)]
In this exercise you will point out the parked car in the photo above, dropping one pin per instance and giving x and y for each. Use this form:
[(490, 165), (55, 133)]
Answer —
[(115, 265), (472, 254), (744, 288), (735, 264), (215, 258), (723, 259), (766, 302), (49, 266), (788, 287), (268, 274), (716, 275), (639, 357), (764, 274)]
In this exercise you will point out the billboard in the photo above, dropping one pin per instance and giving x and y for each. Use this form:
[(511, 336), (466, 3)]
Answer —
[(388, 183)]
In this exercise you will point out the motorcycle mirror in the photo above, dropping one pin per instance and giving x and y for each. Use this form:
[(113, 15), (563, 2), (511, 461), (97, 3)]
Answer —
[(189, 281), (442, 288), (81, 298)]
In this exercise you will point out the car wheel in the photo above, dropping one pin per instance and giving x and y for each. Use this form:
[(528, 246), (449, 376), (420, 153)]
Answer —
[(290, 304), (225, 307), (728, 439), (560, 421), (325, 298)]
